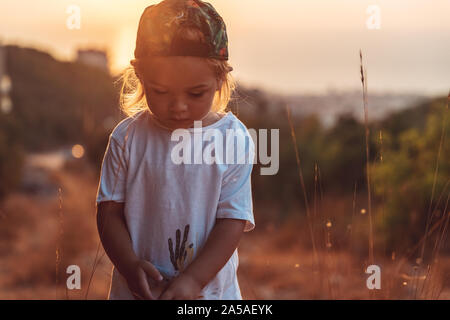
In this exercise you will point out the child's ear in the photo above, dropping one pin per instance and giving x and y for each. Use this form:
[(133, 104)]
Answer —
[(135, 66)]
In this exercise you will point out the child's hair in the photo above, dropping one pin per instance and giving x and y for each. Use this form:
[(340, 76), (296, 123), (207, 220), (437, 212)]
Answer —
[(132, 94)]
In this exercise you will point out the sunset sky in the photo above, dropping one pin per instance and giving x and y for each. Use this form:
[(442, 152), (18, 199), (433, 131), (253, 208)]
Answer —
[(287, 46)]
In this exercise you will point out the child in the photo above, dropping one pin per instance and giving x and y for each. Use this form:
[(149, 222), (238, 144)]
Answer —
[(170, 229)]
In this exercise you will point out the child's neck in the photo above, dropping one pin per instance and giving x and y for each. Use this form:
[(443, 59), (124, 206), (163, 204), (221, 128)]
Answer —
[(211, 118)]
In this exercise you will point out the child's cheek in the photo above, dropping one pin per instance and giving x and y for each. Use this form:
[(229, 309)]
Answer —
[(200, 110), (158, 105), (206, 100)]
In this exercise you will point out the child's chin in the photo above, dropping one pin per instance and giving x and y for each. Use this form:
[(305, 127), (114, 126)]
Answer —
[(171, 125), (179, 124)]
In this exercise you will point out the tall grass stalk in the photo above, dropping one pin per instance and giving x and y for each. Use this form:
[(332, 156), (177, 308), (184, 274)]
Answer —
[(324, 271), (443, 221), (366, 124), (440, 237), (431, 212), (315, 197), (443, 236), (383, 199), (59, 242), (94, 267), (353, 217), (300, 174)]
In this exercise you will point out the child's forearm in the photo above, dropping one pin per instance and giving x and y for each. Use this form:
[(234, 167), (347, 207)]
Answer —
[(221, 243), (116, 239)]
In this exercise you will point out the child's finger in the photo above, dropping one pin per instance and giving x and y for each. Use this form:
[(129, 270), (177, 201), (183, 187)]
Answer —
[(151, 271), (144, 288), (166, 295), (137, 296)]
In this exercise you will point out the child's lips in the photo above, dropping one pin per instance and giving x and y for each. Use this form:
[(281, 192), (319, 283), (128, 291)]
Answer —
[(182, 123), (180, 119)]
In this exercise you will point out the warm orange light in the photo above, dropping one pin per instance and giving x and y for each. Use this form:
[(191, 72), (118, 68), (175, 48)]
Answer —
[(77, 151)]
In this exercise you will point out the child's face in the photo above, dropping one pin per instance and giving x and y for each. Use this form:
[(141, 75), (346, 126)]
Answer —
[(179, 90)]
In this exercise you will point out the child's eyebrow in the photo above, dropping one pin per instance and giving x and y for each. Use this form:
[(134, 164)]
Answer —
[(202, 85)]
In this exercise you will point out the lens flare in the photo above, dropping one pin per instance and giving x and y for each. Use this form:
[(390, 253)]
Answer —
[(77, 151)]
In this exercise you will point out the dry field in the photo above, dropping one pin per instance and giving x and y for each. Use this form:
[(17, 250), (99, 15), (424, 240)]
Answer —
[(51, 224)]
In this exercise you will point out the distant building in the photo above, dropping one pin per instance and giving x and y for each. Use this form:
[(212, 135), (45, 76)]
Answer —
[(95, 58), (5, 84), (2, 61)]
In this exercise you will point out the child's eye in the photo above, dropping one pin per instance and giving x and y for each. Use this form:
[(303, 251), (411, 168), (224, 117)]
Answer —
[(196, 94), (159, 92)]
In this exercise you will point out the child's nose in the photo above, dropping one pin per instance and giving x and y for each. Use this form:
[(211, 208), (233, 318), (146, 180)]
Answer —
[(178, 106)]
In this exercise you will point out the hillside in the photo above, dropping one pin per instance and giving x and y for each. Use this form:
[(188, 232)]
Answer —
[(57, 102)]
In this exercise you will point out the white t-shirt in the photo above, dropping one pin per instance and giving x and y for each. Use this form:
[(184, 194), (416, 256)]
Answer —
[(170, 209)]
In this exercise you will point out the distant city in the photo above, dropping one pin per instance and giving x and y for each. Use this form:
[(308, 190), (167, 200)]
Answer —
[(330, 105)]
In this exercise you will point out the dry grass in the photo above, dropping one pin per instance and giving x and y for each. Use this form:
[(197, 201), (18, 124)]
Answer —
[(44, 235), (267, 271), (276, 261)]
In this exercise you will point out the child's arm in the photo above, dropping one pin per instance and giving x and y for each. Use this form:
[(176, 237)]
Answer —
[(117, 244), (222, 241)]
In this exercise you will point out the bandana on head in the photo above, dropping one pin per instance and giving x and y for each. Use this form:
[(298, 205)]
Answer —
[(159, 30)]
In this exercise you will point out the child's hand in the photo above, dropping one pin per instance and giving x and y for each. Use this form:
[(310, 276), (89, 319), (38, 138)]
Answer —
[(183, 287), (136, 277)]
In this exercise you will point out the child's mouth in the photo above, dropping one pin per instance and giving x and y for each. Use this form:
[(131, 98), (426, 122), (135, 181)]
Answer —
[(180, 120)]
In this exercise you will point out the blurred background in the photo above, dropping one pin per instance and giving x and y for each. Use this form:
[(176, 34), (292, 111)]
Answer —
[(59, 66)]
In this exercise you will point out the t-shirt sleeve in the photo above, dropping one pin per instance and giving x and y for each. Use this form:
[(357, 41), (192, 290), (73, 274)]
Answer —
[(235, 200), (113, 174)]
